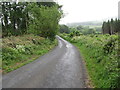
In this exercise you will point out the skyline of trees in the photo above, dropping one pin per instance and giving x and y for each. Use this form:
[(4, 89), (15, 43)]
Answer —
[(111, 26), (39, 18), (30, 17)]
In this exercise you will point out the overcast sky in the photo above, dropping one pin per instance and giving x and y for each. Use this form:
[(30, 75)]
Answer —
[(88, 10)]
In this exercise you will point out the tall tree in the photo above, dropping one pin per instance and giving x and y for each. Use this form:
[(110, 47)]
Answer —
[(40, 18), (111, 27)]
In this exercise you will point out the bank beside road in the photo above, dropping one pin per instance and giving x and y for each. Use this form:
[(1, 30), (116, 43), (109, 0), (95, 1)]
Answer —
[(100, 53), (20, 50)]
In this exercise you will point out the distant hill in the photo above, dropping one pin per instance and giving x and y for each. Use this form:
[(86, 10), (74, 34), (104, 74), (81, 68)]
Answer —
[(90, 23)]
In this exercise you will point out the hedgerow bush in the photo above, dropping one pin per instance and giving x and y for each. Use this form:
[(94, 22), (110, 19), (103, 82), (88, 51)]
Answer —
[(101, 56)]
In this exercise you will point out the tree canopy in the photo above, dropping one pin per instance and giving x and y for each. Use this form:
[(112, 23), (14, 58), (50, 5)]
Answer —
[(40, 18)]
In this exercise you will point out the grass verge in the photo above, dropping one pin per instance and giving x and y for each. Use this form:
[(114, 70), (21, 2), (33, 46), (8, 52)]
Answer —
[(21, 50), (100, 53)]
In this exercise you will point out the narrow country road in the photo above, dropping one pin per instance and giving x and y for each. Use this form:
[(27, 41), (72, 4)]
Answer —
[(62, 67)]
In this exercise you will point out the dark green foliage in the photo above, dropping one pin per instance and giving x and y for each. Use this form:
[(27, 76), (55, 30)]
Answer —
[(48, 4), (45, 21), (74, 33), (14, 18), (64, 29), (109, 46), (71, 35), (111, 27), (40, 18)]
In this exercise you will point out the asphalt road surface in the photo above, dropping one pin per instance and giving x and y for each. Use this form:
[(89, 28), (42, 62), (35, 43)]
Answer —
[(62, 67)]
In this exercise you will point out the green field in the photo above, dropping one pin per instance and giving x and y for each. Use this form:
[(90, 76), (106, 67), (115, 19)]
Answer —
[(95, 26)]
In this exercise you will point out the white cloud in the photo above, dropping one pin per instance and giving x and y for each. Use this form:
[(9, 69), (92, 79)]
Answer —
[(88, 10)]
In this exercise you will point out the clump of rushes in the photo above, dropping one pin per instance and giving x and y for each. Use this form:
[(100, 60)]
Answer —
[(20, 50), (100, 53)]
